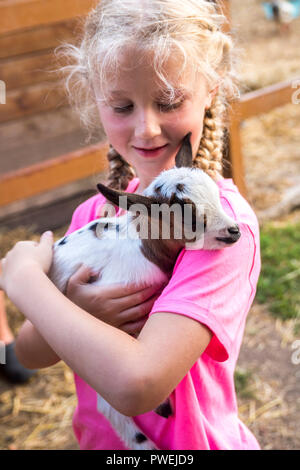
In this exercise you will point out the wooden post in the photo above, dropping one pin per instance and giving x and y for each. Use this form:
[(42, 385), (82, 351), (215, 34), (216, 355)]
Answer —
[(235, 153), (232, 155)]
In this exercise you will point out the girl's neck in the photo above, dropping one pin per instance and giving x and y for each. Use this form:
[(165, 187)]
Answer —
[(143, 184)]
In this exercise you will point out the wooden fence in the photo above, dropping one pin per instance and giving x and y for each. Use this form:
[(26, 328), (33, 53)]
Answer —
[(20, 33)]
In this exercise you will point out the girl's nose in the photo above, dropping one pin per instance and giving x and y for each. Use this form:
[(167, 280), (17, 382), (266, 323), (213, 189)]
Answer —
[(147, 125)]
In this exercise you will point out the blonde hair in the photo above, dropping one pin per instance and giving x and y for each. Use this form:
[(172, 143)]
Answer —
[(192, 28)]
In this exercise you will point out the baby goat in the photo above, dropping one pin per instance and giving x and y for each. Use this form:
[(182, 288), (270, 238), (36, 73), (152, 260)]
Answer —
[(122, 250)]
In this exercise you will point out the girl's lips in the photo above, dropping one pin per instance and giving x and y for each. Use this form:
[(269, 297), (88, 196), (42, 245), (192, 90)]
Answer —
[(150, 152)]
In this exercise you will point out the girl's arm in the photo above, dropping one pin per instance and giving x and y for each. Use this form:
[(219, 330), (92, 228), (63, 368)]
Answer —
[(32, 350), (123, 307), (133, 375)]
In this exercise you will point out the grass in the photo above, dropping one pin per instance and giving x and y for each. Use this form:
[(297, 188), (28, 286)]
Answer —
[(279, 281), (242, 381)]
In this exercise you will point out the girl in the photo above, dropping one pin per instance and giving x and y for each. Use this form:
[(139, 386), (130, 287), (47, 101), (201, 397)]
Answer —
[(153, 70)]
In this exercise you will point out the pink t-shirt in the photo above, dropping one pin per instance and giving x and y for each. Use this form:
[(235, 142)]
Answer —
[(215, 288)]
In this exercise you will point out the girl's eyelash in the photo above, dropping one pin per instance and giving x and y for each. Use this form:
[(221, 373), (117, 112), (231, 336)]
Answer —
[(122, 109), (170, 106), (162, 106)]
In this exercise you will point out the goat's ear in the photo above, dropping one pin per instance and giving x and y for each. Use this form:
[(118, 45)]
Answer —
[(123, 199), (184, 156)]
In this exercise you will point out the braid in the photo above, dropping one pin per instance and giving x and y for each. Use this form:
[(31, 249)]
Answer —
[(210, 152), (119, 175), (120, 172)]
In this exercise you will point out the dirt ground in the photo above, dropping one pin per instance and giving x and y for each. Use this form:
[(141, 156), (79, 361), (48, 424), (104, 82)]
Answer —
[(38, 415), (271, 146)]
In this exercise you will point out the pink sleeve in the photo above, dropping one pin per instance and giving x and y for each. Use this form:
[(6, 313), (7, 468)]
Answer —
[(85, 213), (88, 210), (215, 288)]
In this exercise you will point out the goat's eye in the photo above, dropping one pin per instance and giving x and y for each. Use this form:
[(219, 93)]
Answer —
[(180, 187)]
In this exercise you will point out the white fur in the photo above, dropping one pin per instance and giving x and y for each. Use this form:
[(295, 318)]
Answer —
[(119, 259), (204, 192)]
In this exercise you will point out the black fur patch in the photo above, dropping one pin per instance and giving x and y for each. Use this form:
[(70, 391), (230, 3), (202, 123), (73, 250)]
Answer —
[(108, 226), (157, 189), (93, 227), (164, 409), (180, 187), (63, 241), (139, 437)]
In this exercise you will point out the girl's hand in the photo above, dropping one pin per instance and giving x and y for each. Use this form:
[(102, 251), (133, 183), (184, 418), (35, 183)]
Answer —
[(24, 256), (126, 308)]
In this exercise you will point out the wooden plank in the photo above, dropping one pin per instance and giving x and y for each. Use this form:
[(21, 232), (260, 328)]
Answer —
[(52, 173), (38, 38), (28, 70), (31, 100), (21, 14), (236, 155), (264, 100), (250, 105)]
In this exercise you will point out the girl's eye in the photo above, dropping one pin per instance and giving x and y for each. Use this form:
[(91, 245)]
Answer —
[(169, 106), (165, 107), (123, 109)]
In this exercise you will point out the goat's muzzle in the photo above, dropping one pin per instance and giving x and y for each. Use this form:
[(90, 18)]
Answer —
[(233, 235)]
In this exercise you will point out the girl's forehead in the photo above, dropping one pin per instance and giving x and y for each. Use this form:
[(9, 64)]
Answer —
[(136, 69)]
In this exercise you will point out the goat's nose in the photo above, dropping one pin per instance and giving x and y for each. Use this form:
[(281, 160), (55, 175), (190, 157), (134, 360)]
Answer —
[(234, 230)]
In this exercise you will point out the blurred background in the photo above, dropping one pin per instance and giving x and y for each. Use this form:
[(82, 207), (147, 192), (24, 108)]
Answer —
[(47, 168)]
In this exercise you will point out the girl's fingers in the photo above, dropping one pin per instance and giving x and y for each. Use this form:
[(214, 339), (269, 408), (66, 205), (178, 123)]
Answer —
[(138, 298), (47, 237), (137, 312), (118, 291), (82, 275)]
